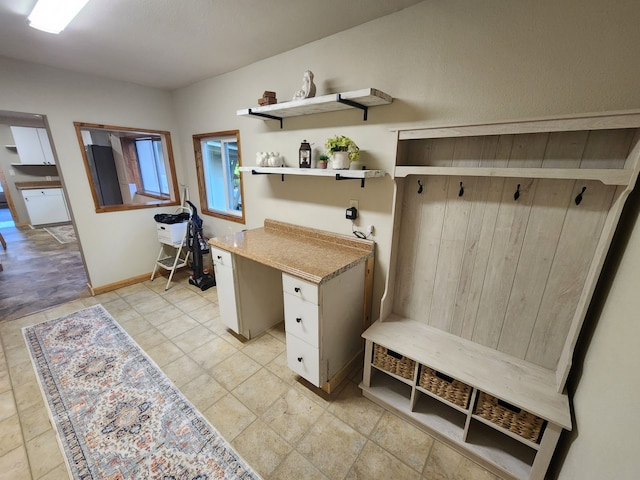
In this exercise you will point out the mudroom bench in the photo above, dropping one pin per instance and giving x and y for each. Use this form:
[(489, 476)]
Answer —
[(500, 233)]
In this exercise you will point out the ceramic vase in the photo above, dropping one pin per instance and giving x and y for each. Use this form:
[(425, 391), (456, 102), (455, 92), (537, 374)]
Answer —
[(340, 160)]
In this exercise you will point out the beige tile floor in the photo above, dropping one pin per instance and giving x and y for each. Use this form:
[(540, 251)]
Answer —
[(281, 427)]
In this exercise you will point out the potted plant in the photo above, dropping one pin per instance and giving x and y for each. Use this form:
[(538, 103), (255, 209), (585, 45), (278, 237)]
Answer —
[(323, 158), (342, 150)]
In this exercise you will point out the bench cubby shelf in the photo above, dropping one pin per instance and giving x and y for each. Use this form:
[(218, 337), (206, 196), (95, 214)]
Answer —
[(360, 99), (500, 234)]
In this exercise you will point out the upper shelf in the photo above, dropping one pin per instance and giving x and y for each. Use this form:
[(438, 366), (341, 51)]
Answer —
[(605, 175), (317, 172), (362, 99)]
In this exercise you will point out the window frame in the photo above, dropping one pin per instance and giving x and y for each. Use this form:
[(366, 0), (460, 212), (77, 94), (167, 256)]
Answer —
[(200, 170)]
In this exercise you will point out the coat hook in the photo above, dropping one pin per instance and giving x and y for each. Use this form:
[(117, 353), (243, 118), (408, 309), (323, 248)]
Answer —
[(419, 187), (516, 195), (461, 192), (579, 196)]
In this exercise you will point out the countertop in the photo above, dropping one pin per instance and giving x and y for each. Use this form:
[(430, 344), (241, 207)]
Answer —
[(38, 184), (313, 255)]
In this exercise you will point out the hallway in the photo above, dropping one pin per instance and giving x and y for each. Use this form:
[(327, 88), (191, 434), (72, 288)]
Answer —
[(38, 271)]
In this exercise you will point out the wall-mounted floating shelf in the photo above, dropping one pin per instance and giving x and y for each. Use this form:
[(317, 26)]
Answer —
[(362, 99), (317, 172)]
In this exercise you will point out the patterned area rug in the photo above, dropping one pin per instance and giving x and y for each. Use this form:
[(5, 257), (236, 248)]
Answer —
[(62, 233), (116, 414)]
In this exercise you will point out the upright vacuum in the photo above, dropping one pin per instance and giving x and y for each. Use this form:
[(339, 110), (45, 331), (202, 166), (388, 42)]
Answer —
[(198, 245)]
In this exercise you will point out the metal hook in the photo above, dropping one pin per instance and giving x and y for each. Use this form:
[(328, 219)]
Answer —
[(461, 192), (516, 195), (419, 187), (579, 196)]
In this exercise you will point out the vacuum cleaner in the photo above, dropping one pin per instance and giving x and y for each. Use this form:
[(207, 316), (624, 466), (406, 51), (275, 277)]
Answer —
[(198, 245)]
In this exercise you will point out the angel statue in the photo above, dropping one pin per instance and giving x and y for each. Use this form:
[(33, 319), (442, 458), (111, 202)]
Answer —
[(308, 88)]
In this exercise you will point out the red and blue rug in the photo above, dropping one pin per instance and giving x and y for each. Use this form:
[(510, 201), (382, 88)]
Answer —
[(116, 414)]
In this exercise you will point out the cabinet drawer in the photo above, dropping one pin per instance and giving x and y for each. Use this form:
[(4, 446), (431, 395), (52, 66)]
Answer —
[(301, 319), (222, 257), (303, 359), (302, 289)]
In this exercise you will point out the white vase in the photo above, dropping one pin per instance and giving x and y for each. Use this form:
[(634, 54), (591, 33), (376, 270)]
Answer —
[(340, 160)]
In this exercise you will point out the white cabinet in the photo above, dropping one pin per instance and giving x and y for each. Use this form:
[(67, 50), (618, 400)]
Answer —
[(46, 205), (33, 145), (323, 323), (249, 293)]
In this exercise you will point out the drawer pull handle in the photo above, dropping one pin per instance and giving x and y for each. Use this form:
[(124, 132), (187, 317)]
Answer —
[(219, 257), (300, 359), (298, 319), (297, 289)]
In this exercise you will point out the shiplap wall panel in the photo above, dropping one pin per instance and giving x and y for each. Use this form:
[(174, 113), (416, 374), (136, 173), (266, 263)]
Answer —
[(410, 229), (578, 241), (508, 238), (552, 198), (454, 231), (501, 272), (489, 214)]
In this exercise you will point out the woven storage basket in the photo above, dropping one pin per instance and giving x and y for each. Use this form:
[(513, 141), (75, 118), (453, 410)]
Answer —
[(444, 386), (393, 362), (511, 418)]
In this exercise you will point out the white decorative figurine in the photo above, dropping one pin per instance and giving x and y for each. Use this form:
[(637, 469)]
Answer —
[(308, 89)]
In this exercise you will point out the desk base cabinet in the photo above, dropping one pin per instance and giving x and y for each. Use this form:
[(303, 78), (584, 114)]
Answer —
[(323, 324), (249, 293)]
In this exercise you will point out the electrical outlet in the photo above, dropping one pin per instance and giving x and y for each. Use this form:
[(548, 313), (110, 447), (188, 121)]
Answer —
[(370, 229), (353, 203), (12, 172)]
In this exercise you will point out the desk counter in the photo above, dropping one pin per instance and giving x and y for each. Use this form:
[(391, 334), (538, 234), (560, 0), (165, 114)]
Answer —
[(313, 255)]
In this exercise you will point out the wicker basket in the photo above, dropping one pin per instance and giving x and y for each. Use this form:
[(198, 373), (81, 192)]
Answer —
[(393, 362), (450, 389), (509, 417)]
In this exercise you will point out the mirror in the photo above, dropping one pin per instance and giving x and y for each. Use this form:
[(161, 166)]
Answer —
[(128, 168)]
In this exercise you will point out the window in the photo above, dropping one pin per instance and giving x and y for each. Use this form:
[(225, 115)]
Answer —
[(152, 171), (128, 168), (220, 182)]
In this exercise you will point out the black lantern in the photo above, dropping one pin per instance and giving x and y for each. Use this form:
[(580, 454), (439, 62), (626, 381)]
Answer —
[(305, 155)]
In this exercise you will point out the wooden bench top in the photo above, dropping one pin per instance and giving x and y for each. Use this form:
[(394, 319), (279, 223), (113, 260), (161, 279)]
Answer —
[(516, 381)]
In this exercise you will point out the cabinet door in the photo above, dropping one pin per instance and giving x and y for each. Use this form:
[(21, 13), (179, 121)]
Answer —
[(28, 144), (226, 286), (45, 206), (45, 144)]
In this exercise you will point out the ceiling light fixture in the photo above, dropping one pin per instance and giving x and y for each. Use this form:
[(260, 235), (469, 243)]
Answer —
[(53, 16)]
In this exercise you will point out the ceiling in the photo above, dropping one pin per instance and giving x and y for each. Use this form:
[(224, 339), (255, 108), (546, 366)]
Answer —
[(171, 43)]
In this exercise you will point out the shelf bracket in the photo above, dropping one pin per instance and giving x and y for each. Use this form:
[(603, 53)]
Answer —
[(254, 172), (353, 104), (340, 177), (266, 115)]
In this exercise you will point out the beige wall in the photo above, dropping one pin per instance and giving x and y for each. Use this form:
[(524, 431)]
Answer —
[(115, 245), (444, 63)]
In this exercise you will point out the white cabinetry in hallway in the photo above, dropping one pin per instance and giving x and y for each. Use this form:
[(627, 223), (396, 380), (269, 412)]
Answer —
[(33, 145), (45, 205)]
